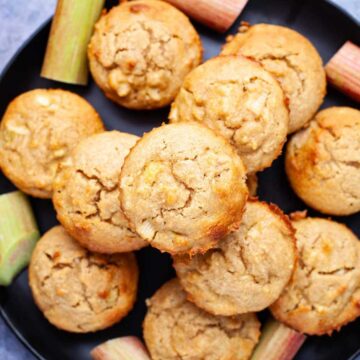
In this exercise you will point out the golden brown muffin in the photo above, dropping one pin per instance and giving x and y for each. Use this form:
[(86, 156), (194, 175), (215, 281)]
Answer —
[(183, 188), (175, 329), (79, 291), (292, 59), (252, 183), (324, 293), (241, 101), (141, 51), (38, 131), (86, 194), (247, 270), (323, 162)]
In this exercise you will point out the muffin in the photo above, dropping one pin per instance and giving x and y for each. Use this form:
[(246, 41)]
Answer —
[(324, 293), (86, 194), (323, 162), (292, 59), (38, 131), (248, 270), (175, 329), (79, 291), (183, 188), (241, 101), (141, 51)]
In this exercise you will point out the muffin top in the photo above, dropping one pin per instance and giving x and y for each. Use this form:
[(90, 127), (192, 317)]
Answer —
[(141, 51), (324, 293), (248, 269), (175, 329), (240, 100), (86, 194), (38, 131), (183, 188), (323, 162), (79, 291), (292, 59)]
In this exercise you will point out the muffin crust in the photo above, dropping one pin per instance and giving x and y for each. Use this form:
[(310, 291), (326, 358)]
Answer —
[(86, 194), (141, 51), (324, 293), (323, 162), (241, 101), (80, 291), (32, 140), (175, 329), (183, 188), (292, 59), (252, 183), (247, 270)]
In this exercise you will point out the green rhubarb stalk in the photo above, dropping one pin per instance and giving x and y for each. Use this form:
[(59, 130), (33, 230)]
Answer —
[(71, 29), (278, 342), (18, 235)]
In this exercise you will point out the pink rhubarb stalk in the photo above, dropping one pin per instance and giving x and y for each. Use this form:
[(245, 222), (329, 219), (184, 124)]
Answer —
[(343, 70), (216, 14), (278, 342), (123, 348)]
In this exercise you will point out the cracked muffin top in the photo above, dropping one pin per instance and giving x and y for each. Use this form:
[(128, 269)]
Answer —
[(79, 291), (241, 101), (292, 59), (323, 162), (183, 188), (324, 293), (38, 131), (248, 269), (86, 194), (141, 51), (175, 329)]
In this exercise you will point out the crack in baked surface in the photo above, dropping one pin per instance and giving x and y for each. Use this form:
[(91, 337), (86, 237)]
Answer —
[(248, 269), (77, 290), (182, 187), (324, 293), (174, 329), (242, 102)]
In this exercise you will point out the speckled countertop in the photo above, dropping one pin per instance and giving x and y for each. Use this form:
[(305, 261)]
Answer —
[(18, 19)]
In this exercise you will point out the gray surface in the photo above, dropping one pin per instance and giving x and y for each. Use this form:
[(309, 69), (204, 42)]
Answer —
[(18, 19)]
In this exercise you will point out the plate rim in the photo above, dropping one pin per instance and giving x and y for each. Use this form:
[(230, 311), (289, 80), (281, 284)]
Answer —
[(3, 314), (7, 66)]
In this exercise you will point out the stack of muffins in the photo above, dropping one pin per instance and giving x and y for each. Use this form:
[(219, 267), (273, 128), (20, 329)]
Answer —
[(186, 188)]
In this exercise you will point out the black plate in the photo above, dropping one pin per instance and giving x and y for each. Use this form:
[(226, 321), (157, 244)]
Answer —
[(325, 25)]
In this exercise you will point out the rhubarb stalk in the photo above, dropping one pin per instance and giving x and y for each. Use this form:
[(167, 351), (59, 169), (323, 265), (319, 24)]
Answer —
[(278, 342), (123, 348), (343, 70), (217, 14), (18, 235), (71, 29)]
